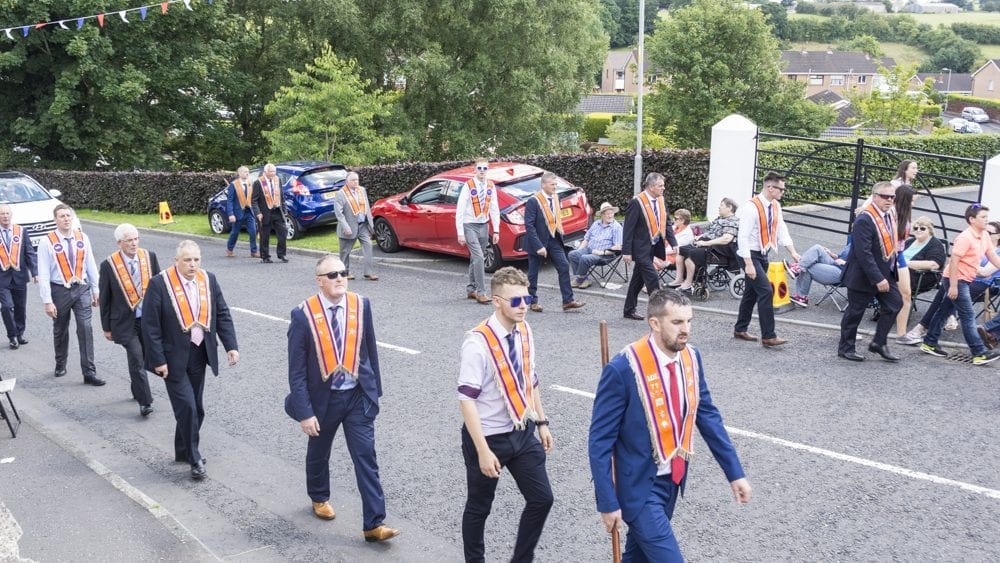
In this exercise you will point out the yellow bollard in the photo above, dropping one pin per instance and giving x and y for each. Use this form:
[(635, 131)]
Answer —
[(165, 216), (779, 284)]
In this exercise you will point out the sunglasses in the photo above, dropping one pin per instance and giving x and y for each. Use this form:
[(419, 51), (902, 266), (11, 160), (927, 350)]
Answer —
[(918, 228), (516, 301), (482, 168), (335, 275), (889, 197)]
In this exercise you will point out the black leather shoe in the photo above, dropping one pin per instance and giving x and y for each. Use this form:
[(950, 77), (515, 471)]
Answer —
[(883, 350), (22, 340), (198, 471), (95, 381), (13, 344), (266, 261), (184, 458), (634, 316), (60, 372), (853, 356), (145, 410), (283, 259)]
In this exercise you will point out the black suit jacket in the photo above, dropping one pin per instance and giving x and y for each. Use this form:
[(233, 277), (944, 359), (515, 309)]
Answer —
[(260, 203), (167, 344), (309, 395), (635, 235), (865, 267), (116, 317), (536, 227), (28, 263)]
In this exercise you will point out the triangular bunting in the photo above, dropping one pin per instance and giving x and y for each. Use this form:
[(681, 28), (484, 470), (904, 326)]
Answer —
[(100, 20), (24, 31), (40, 25), (187, 4), (163, 7), (121, 14), (62, 24), (79, 23), (142, 13), (9, 36)]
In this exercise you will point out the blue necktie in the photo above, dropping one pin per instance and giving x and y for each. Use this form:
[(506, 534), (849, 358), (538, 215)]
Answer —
[(515, 362), (6, 238), (770, 218), (71, 250), (338, 343)]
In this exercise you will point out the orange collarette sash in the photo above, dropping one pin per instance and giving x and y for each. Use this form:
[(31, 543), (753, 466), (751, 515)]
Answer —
[(271, 191), (480, 208), (11, 257), (133, 294), (886, 233), (358, 207), (179, 299), (242, 193), (330, 359), (74, 273), (657, 224), (768, 237), (670, 437), (520, 400), (554, 220)]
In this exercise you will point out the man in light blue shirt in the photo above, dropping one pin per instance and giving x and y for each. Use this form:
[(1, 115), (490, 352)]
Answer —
[(602, 241)]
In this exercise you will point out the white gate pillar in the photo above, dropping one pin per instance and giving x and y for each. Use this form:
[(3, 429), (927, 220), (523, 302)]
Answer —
[(991, 187), (731, 164)]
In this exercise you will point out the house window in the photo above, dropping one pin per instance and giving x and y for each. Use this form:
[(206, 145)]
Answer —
[(990, 86), (793, 77), (815, 79), (862, 79), (837, 80)]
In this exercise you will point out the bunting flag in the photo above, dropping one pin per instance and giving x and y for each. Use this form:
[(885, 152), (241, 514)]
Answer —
[(80, 20)]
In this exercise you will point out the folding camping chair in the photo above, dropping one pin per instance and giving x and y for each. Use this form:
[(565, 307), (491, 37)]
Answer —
[(606, 272), (12, 423)]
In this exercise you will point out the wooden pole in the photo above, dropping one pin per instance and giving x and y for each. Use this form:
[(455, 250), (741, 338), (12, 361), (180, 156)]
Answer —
[(616, 543)]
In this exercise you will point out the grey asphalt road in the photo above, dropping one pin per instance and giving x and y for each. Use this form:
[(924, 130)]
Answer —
[(988, 127), (874, 461)]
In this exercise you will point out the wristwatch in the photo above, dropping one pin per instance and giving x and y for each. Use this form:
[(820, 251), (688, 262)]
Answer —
[(542, 422)]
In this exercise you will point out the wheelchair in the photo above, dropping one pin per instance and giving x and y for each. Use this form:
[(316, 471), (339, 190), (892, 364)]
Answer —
[(721, 271)]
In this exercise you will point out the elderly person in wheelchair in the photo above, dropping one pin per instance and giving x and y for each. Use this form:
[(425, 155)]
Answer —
[(717, 238)]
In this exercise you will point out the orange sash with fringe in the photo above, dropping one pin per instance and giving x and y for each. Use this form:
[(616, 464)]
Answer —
[(657, 224), (358, 205), (179, 299), (330, 359), (11, 257), (272, 191), (768, 236), (69, 273), (133, 294), (242, 193), (886, 232), (520, 399), (481, 209), (553, 219)]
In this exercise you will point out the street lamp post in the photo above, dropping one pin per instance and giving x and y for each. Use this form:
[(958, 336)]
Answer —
[(637, 179), (947, 88)]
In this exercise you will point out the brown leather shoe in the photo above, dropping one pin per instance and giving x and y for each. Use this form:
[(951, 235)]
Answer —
[(536, 308), (572, 305), (371, 277), (382, 533), (350, 276), (230, 254), (745, 336), (988, 339), (772, 342), (324, 510), (482, 299), (255, 255)]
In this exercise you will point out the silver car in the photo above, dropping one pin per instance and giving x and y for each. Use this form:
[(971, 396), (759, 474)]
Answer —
[(977, 115)]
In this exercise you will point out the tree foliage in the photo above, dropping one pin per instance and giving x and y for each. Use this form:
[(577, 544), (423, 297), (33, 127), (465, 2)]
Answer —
[(327, 113), (890, 105), (721, 59)]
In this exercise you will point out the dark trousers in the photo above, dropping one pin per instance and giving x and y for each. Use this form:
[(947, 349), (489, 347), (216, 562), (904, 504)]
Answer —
[(889, 303), (522, 454), (234, 234), (355, 412), (758, 292), (12, 303), (277, 224), (650, 537), (185, 390), (76, 300), (556, 255), (643, 274), (135, 352)]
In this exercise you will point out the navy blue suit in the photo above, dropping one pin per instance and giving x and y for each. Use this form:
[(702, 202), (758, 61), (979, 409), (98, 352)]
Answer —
[(355, 409), (242, 216), (14, 288), (637, 244), (537, 237), (865, 268), (618, 426)]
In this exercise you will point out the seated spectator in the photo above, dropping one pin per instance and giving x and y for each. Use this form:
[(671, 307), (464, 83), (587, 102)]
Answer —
[(819, 264), (599, 246), (924, 253), (719, 234), (682, 232), (988, 274)]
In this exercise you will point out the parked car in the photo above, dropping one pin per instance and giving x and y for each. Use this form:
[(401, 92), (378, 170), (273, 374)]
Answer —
[(424, 217), (30, 203), (308, 189), (975, 114), (970, 127), (957, 124)]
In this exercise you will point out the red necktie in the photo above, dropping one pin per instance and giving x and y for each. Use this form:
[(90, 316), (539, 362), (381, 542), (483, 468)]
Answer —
[(677, 464)]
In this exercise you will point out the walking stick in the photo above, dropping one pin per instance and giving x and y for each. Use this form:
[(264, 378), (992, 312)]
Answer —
[(616, 544)]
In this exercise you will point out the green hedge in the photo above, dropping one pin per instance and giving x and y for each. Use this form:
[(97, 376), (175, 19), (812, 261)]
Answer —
[(958, 101), (595, 126), (604, 176)]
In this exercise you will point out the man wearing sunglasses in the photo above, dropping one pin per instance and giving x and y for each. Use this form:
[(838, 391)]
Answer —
[(334, 381), (501, 404), (477, 214), (544, 235), (871, 273)]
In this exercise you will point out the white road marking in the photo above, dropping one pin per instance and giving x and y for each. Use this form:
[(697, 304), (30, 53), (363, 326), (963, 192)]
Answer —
[(410, 351), (991, 493)]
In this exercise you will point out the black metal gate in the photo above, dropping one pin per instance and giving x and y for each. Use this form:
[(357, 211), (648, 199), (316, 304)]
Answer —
[(826, 180)]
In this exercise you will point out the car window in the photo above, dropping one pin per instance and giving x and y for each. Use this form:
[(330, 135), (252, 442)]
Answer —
[(324, 178), (429, 193), (19, 190), (451, 194), (524, 188), (283, 177)]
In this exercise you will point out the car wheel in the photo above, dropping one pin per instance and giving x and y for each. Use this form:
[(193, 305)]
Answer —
[(385, 237), (217, 222), (295, 229), (492, 258)]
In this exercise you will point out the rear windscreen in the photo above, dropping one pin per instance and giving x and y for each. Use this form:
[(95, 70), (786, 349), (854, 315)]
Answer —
[(526, 187), (324, 178)]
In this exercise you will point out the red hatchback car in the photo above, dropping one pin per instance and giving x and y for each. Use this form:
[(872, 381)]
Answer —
[(424, 217)]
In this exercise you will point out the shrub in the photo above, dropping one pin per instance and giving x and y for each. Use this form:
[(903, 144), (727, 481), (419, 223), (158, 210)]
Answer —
[(958, 101), (595, 126)]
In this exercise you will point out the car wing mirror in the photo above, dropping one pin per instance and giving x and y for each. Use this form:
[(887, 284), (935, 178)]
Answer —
[(405, 200), (55, 193)]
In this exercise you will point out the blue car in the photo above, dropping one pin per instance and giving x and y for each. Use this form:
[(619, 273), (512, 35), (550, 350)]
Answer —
[(308, 187)]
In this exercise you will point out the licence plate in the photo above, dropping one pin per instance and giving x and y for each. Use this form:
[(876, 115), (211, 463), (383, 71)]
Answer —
[(565, 212), (329, 195)]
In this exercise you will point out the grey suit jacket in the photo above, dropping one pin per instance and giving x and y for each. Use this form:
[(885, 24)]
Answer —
[(346, 216)]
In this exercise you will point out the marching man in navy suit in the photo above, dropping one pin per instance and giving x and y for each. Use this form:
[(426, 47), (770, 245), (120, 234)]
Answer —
[(18, 264), (650, 398), (334, 378), (544, 237)]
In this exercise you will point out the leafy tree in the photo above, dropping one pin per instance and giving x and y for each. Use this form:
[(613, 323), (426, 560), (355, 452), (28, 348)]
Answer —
[(777, 16), (622, 134), (327, 114), (628, 22), (721, 59), (948, 50), (890, 105), (864, 43), (611, 15), (989, 5)]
